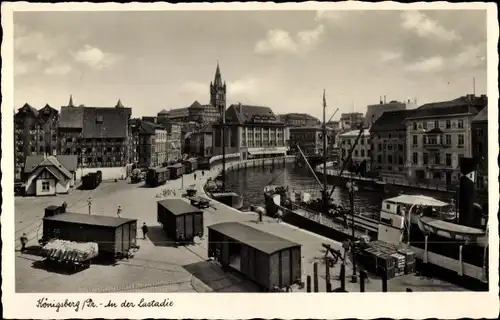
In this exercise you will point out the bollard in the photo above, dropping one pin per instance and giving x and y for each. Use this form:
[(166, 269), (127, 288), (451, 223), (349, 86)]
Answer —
[(308, 284), (327, 278), (362, 278), (409, 290), (384, 281), (342, 276), (315, 275)]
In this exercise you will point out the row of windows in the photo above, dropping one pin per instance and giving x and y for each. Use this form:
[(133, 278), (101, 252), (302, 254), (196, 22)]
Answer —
[(436, 158), (438, 139), (447, 124), (390, 159)]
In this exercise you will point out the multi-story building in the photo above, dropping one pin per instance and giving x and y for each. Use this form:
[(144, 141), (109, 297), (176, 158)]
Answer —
[(388, 144), (361, 152), (310, 140), (35, 133), (101, 137), (174, 141), (152, 144), (298, 120), (438, 135), (201, 142), (351, 120), (134, 149), (374, 111), (480, 148), (252, 131), (218, 92)]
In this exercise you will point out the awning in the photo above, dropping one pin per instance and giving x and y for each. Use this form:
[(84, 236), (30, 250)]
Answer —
[(418, 200)]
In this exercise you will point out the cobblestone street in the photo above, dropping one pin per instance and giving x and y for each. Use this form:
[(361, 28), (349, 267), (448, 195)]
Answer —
[(157, 266)]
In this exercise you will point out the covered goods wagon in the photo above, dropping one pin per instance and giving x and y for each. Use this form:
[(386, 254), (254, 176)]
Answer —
[(268, 260), (180, 220), (190, 165), (114, 236), (157, 176), (176, 170), (90, 181)]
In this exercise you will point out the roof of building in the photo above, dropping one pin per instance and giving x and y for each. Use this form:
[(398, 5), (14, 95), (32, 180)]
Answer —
[(146, 127), (318, 127), (69, 162), (245, 113), (28, 107), (163, 112), (482, 116), (354, 133), (255, 238), (207, 128), (48, 109), (392, 121), (299, 116), (96, 122), (89, 219), (178, 206), (462, 105), (195, 104)]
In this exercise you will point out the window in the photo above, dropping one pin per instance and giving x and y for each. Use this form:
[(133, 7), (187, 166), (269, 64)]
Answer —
[(389, 159), (355, 153), (448, 159), (448, 124), (362, 152), (400, 147), (460, 124), (448, 139), (426, 158), (425, 125), (414, 126), (415, 158), (45, 186), (479, 132), (380, 146), (479, 147), (415, 140), (437, 158), (437, 175), (461, 140), (436, 124)]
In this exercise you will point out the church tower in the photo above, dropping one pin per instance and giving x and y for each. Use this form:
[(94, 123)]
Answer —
[(218, 92)]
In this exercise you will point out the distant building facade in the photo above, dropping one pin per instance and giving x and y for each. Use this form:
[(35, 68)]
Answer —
[(201, 142), (298, 120), (100, 137), (310, 140), (351, 120), (152, 145), (174, 144), (480, 148), (35, 133), (361, 152), (252, 131), (374, 111), (389, 148), (438, 135)]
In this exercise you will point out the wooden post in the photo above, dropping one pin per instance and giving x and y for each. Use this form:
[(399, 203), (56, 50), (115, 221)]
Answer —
[(308, 284), (384, 281), (327, 278), (362, 278), (315, 275), (342, 276)]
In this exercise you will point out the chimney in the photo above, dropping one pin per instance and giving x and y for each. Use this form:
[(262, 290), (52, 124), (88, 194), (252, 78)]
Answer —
[(380, 100), (408, 101), (384, 99)]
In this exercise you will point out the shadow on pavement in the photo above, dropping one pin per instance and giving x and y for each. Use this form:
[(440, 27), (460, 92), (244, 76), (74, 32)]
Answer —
[(159, 238), (212, 274)]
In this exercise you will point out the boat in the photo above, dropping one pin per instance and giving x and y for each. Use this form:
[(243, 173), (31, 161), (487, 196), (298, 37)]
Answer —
[(434, 230)]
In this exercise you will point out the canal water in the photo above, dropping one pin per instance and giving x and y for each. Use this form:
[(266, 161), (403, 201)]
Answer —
[(250, 183)]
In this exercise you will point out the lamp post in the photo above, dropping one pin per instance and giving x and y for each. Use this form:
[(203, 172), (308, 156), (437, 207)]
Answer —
[(89, 202), (350, 186)]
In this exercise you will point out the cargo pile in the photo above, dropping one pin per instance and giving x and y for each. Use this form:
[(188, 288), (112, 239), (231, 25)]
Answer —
[(387, 260), (69, 251)]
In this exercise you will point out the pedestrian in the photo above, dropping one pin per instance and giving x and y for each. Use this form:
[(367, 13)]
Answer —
[(24, 241), (202, 173), (119, 211), (144, 231), (194, 176)]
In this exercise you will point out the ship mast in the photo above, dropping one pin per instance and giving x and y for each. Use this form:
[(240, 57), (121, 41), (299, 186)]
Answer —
[(224, 150), (325, 154)]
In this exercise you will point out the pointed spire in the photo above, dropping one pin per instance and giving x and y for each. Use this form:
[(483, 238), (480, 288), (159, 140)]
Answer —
[(71, 101), (218, 77), (119, 104)]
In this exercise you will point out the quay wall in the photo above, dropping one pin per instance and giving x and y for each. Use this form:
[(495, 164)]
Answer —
[(252, 163)]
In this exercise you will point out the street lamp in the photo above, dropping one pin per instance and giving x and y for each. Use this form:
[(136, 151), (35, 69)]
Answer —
[(89, 202), (350, 186)]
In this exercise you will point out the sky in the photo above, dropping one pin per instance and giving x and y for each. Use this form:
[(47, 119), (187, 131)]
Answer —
[(154, 60)]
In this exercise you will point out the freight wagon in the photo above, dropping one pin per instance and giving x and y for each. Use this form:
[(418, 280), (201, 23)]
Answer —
[(180, 220), (90, 181), (157, 176), (54, 210), (190, 165), (114, 236), (176, 170), (268, 260)]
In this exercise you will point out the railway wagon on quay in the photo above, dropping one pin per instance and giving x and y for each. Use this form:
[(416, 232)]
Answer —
[(157, 176), (176, 170), (190, 165), (114, 236), (91, 180), (180, 220), (270, 261)]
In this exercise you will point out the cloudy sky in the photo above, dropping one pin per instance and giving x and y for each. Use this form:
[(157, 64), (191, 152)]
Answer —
[(281, 59)]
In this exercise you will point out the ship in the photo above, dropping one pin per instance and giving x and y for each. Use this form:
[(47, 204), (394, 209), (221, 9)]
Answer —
[(450, 237)]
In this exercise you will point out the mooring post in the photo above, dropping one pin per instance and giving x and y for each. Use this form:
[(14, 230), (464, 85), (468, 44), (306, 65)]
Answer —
[(308, 284), (362, 279), (315, 275), (342, 276), (384, 281)]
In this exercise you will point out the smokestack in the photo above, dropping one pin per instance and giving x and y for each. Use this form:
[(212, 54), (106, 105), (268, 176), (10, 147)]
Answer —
[(384, 99), (466, 193), (380, 99)]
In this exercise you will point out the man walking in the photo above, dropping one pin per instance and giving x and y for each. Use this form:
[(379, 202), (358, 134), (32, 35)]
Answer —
[(24, 241), (194, 176), (202, 173), (144, 231), (119, 211)]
